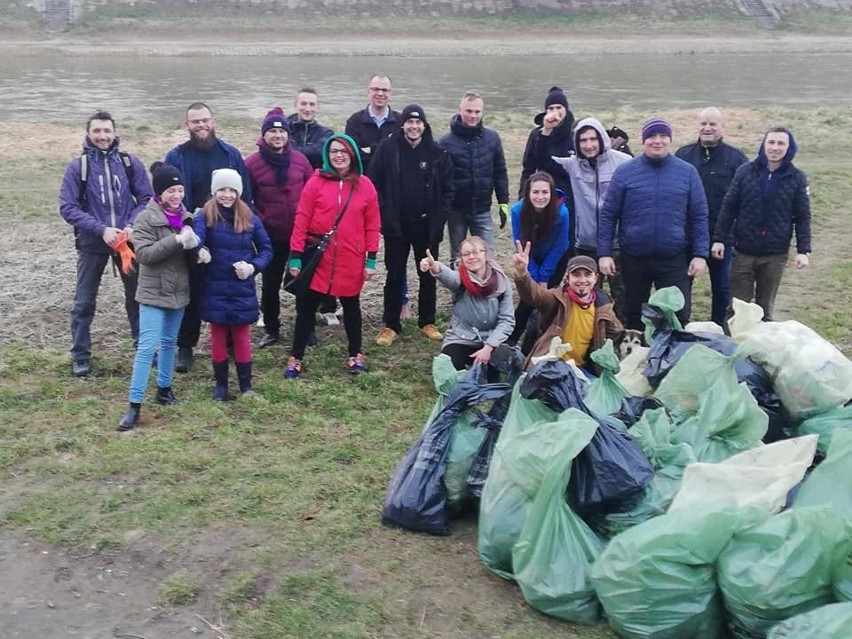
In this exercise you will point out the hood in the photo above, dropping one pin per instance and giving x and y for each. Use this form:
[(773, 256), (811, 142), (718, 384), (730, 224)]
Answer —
[(358, 166), (91, 148), (603, 136), (788, 159)]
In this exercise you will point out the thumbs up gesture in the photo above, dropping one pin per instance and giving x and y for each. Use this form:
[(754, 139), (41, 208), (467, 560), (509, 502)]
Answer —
[(521, 258), (429, 263)]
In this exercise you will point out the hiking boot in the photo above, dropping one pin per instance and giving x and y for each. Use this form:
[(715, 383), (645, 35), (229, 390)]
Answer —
[(131, 417), (268, 339), (294, 368), (432, 332), (220, 374), (165, 397), (330, 319), (81, 368), (184, 359), (355, 365), (387, 336)]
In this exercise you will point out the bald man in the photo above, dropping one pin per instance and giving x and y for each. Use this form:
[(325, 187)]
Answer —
[(716, 162)]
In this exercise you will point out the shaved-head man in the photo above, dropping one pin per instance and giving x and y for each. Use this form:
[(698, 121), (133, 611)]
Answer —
[(716, 162)]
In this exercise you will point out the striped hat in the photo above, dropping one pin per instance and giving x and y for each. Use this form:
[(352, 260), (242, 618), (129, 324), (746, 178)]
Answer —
[(654, 126)]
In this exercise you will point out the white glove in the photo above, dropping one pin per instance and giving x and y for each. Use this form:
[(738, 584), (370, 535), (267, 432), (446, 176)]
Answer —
[(243, 269), (187, 238), (204, 255)]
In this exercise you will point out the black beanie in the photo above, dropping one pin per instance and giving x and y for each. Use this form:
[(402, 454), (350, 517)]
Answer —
[(414, 111), (555, 96), (164, 176)]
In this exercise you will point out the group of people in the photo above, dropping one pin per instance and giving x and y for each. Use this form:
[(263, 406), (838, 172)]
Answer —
[(208, 222)]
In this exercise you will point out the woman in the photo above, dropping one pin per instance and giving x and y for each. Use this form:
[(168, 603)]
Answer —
[(161, 236), (338, 192), (237, 248), (541, 220), (482, 316)]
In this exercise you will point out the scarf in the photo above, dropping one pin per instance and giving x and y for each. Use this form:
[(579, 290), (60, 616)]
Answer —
[(583, 302), (280, 162), (173, 216), (480, 288)]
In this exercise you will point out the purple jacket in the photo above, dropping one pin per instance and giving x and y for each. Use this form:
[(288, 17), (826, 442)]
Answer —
[(111, 200), (276, 203)]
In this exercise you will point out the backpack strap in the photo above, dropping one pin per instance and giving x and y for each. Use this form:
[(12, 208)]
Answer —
[(84, 175)]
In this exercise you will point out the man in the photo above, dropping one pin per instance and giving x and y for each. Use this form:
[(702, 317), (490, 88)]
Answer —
[(306, 134), (479, 169), (551, 137), (716, 162), (278, 174), (656, 204), (196, 159), (767, 201), (414, 179), (369, 126), (590, 172), (102, 192), (576, 312)]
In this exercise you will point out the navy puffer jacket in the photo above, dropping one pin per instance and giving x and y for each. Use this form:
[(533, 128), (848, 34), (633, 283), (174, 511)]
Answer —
[(761, 209), (226, 299), (479, 166), (658, 208)]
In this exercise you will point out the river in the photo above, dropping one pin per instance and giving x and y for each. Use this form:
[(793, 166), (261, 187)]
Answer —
[(143, 88)]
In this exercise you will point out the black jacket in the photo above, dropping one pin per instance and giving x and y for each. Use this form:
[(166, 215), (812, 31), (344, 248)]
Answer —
[(479, 166), (361, 128), (385, 172), (309, 138), (540, 149), (716, 171), (759, 213)]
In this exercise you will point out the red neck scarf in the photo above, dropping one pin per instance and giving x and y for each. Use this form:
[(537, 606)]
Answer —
[(585, 301), (489, 287)]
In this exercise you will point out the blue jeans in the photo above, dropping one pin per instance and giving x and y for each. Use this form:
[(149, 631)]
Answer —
[(720, 286), (477, 223), (90, 269), (157, 327)]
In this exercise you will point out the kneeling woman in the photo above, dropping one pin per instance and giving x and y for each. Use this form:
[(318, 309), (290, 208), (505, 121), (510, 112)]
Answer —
[(483, 312)]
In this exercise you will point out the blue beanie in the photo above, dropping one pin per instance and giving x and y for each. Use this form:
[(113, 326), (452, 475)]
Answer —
[(654, 126)]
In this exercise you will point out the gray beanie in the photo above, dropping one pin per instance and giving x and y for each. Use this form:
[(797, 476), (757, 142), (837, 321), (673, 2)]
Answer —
[(226, 178)]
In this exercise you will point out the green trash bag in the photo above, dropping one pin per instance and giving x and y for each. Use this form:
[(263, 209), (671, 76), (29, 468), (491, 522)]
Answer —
[(653, 434), (519, 465), (830, 483), (833, 621), (780, 568), (825, 424), (605, 393), (552, 556), (668, 301), (523, 412), (658, 579), (726, 419)]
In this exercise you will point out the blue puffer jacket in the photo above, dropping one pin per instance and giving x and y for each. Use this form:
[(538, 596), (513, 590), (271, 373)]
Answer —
[(176, 158), (546, 252), (761, 209), (658, 208), (111, 200), (479, 166), (226, 299)]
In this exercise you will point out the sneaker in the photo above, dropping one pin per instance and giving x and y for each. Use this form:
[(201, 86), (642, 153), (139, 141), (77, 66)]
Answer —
[(165, 397), (294, 368), (355, 365), (81, 368), (405, 312), (330, 319), (431, 332), (268, 339), (387, 336)]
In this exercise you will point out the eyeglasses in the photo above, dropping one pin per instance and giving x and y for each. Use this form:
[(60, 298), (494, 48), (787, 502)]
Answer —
[(200, 121), (338, 152), (474, 253), (379, 90)]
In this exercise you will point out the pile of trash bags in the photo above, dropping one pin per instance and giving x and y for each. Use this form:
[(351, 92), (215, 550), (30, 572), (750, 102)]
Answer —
[(697, 489)]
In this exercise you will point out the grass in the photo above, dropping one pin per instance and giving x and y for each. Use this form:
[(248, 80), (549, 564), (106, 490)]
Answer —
[(285, 489)]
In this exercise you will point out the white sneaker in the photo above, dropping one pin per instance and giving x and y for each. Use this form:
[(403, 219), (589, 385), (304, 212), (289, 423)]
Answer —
[(330, 319)]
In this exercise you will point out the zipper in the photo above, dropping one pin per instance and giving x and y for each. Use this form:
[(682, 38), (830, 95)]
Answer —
[(109, 190), (334, 237)]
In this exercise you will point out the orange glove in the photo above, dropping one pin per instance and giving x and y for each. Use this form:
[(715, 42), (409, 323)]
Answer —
[(125, 253)]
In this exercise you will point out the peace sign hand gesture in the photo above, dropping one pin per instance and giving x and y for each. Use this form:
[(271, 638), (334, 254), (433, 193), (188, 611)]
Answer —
[(521, 258), (429, 263)]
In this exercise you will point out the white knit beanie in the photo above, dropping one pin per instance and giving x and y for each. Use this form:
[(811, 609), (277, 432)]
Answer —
[(226, 179)]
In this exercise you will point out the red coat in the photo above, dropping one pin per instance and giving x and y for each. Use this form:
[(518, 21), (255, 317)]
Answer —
[(341, 270)]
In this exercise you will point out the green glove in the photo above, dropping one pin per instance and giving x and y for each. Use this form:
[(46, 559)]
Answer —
[(503, 209)]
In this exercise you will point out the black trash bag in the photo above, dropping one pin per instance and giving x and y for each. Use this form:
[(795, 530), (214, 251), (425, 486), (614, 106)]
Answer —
[(632, 408), (611, 473), (509, 362), (554, 383), (760, 385), (416, 497)]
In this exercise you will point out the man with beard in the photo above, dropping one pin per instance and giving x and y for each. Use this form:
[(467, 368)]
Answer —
[(102, 193), (479, 169), (414, 179), (196, 159)]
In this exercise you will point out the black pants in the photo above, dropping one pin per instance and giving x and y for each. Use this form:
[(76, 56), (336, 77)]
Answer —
[(640, 273), (270, 294), (397, 250), (306, 308), (460, 354), (190, 326)]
